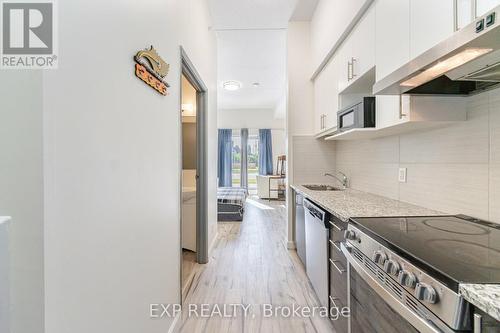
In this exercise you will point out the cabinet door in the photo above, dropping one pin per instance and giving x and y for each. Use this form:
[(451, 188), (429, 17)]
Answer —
[(431, 22), (483, 6), (392, 49), (392, 35), (363, 44), (343, 59), (326, 98), (465, 13), (388, 111)]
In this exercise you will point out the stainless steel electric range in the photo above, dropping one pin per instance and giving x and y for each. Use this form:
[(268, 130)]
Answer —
[(404, 272)]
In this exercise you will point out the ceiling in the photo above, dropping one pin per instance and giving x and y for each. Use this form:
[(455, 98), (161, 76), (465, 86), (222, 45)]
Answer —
[(251, 56), (251, 47)]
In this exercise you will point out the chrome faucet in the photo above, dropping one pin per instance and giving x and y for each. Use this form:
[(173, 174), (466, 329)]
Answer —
[(343, 181)]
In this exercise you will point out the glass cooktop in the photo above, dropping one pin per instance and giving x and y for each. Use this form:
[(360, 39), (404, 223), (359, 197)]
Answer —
[(458, 248)]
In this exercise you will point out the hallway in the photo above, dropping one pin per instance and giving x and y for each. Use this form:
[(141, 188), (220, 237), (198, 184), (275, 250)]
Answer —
[(251, 265)]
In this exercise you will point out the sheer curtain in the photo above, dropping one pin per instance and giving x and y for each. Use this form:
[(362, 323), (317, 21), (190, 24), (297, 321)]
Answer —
[(244, 158), (225, 159), (265, 152)]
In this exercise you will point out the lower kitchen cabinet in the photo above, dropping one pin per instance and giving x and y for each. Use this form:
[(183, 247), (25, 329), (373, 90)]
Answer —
[(370, 313), (338, 293)]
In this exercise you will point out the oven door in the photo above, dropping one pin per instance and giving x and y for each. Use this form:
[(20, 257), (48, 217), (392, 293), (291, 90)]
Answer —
[(374, 309)]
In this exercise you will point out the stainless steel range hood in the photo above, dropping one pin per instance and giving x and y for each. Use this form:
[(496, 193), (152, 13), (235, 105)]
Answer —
[(466, 62)]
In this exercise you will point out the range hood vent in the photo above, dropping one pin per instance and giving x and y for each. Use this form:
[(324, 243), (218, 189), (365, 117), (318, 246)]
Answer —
[(465, 63)]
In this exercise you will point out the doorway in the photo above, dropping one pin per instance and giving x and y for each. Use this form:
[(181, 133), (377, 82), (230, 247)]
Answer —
[(194, 220)]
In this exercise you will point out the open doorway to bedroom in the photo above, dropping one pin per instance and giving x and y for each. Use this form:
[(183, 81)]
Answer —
[(194, 193)]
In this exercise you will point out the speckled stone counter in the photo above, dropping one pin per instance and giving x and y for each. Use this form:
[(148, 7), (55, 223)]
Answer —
[(484, 296), (353, 203)]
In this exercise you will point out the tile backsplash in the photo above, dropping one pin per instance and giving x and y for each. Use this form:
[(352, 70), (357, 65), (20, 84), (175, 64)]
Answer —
[(453, 169), (311, 159)]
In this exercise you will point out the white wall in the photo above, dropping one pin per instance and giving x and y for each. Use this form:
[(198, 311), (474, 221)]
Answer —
[(329, 21), (300, 108), (249, 118), (21, 194), (112, 163)]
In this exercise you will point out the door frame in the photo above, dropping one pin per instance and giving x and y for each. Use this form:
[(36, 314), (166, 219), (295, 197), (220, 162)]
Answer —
[(192, 75)]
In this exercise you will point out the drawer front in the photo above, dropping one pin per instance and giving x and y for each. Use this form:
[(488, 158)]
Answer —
[(336, 253), (338, 281), (339, 322), (337, 229)]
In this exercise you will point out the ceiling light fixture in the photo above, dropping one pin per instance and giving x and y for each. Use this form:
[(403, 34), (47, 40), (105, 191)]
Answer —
[(256, 84), (231, 85), (445, 66)]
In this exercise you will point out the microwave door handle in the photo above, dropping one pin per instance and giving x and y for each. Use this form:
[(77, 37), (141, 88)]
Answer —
[(419, 323)]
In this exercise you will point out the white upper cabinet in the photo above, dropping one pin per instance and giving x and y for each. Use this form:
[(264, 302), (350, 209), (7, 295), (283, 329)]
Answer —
[(465, 13), (326, 97), (483, 6), (392, 49), (331, 18), (431, 22), (363, 45), (392, 40), (343, 57)]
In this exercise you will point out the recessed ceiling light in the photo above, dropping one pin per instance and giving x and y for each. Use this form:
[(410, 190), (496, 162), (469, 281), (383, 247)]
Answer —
[(231, 85), (256, 84)]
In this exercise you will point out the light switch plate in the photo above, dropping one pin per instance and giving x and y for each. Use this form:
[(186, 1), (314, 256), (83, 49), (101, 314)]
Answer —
[(402, 175)]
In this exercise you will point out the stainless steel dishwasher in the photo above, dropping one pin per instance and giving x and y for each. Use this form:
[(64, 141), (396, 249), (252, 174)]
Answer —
[(317, 225), (300, 228)]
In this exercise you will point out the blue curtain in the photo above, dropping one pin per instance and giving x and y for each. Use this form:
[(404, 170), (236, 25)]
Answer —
[(225, 158), (244, 158), (265, 152)]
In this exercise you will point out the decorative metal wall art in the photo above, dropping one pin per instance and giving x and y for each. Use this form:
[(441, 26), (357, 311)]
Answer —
[(152, 69)]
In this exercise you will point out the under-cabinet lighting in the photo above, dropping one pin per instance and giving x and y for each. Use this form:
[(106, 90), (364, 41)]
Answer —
[(445, 66)]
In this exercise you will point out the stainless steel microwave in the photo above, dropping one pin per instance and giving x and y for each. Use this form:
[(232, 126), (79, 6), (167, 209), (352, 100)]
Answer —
[(359, 115)]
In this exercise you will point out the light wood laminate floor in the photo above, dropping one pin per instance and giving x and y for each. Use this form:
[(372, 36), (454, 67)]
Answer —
[(250, 264)]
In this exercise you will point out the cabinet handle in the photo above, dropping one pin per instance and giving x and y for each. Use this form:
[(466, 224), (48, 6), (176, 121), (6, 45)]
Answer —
[(401, 114), (349, 68), (333, 301), (478, 323), (335, 226), (340, 270), (353, 60), (335, 245)]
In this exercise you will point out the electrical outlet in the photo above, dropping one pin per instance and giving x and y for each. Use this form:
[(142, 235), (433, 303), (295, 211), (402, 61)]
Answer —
[(402, 175)]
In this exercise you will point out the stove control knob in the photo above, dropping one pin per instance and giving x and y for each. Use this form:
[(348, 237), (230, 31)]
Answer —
[(407, 279), (426, 293), (392, 267), (379, 257), (351, 235)]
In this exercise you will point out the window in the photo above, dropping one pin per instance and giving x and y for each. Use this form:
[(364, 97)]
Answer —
[(253, 159)]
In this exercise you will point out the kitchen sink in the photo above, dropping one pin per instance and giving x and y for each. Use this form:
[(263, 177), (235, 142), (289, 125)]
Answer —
[(323, 188)]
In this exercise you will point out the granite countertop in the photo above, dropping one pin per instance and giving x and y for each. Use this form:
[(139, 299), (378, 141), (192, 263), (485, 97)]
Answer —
[(353, 203), (484, 296)]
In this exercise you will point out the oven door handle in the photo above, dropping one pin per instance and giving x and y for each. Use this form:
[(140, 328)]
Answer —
[(419, 323)]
